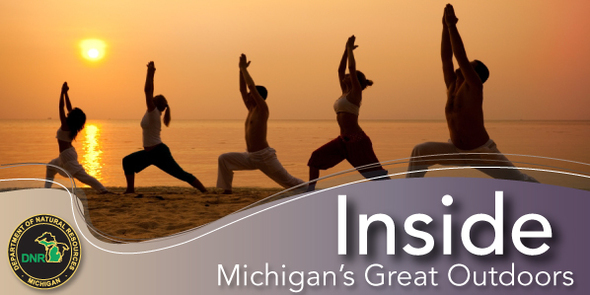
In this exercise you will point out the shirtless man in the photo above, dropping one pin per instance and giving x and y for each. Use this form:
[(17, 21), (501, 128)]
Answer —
[(464, 115), (259, 155)]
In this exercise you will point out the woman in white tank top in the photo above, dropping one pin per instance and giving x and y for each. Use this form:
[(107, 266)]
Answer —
[(155, 152)]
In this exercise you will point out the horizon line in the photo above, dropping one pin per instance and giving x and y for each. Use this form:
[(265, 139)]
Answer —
[(316, 120)]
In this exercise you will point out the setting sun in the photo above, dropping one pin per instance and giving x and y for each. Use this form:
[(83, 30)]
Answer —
[(93, 49), (93, 53)]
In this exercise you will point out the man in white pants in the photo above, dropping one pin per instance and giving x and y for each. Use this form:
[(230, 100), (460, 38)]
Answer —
[(464, 114), (259, 155)]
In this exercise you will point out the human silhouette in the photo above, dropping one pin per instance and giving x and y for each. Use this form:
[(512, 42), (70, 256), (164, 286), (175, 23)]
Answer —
[(71, 124), (464, 114), (352, 144), (259, 154), (155, 152)]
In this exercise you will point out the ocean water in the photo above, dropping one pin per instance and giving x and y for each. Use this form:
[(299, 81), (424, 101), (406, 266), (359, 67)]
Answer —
[(196, 144)]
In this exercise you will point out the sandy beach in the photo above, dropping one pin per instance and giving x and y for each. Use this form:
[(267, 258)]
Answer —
[(154, 212)]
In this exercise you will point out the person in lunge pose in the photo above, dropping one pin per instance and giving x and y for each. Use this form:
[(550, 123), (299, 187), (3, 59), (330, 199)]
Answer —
[(464, 114), (259, 154), (71, 125), (155, 152), (352, 144)]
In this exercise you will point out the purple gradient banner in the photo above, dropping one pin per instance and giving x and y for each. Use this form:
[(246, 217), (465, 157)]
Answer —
[(421, 236)]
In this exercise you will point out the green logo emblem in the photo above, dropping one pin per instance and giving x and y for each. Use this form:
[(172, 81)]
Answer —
[(44, 251)]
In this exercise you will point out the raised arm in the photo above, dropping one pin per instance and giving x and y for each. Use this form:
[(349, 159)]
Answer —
[(63, 101), (467, 70), (257, 99), (149, 86), (342, 69), (68, 104), (244, 91), (446, 54), (355, 92)]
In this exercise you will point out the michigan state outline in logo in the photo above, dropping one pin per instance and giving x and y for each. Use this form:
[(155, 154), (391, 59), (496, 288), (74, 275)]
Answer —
[(44, 251)]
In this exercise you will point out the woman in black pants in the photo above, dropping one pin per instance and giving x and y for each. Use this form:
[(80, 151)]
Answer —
[(155, 152)]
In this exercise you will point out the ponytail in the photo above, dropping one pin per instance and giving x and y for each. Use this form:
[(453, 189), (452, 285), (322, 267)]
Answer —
[(161, 103), (167, 116)]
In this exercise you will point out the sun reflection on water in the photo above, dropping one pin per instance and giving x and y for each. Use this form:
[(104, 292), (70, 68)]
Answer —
[(92, 160)]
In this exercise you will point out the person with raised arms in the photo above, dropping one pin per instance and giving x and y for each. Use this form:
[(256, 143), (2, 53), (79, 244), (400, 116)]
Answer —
[(352, 144), (71, 125), (155, 152), (464, 114), (259, 154)]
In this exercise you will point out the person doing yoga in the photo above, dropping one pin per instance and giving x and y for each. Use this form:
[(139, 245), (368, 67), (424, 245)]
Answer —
[(155, 152), (464, 114), (352, 144), (71, 125), (259, 154)]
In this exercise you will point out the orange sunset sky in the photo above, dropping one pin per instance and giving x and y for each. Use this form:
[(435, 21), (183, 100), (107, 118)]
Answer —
[(538, 53)]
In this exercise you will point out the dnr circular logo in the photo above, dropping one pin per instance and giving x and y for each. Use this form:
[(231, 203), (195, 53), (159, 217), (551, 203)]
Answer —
[(44, 251)]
